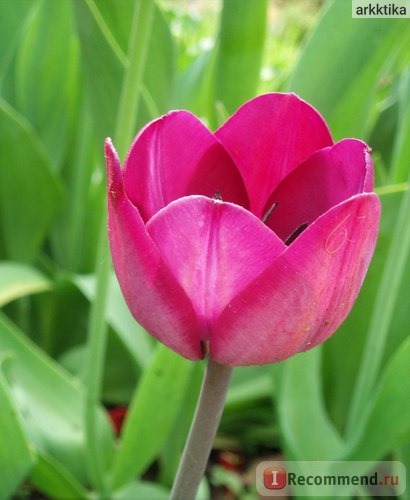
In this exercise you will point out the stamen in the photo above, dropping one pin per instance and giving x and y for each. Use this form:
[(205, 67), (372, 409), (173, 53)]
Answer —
[(266, 217), (217, 196), (299, 230)]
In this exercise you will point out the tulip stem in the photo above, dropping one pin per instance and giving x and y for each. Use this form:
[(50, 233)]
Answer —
[(203, 429)]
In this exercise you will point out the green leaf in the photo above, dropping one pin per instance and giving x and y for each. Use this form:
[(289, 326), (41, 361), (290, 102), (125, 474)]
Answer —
[(16, 458), (14, 16), (30, 191), (103, 75), (137, 56), (401, 153), (343, 351), (220, 80), (339, 67), (172, 451), (388, 295), (49, 38), (193, 89), (403, 455), (241, 42), (56, 329), (134, 337), (307, 430), (101, 26), (83, 208), (159, 71), (50, 404), (120, 370), (53, 479), (141, 489), (226, 478), (383, 137), (120, 373), (257, 386), (18, 280), (115, 22), (152, 414), (388, 424), (247, 417)]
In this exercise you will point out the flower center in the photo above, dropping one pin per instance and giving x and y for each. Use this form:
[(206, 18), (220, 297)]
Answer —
[(217, 196), (299, 230), (294, 234), (266, 217)]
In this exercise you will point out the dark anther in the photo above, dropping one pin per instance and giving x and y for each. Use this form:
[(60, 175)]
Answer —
[(266, 217), (299, 230), (217, 196)]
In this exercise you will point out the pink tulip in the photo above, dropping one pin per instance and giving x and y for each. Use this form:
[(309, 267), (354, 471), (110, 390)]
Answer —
[(251, 242)]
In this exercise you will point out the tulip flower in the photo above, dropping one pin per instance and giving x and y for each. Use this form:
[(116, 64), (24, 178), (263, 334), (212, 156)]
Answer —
[(250, 243)]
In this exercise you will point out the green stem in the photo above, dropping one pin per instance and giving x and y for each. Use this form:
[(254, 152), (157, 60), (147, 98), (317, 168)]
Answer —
[(97, 334), (96, 344), (202, 434), (381, 318), (79, 185), (129, 100)]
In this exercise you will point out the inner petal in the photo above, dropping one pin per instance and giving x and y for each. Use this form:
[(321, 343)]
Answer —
[(268, 137), (327, 178), (176, 156), (215, 249)]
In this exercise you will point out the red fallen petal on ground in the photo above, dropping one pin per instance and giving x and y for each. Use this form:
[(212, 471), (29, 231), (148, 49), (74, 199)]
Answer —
[(270, 136), (150, 289), (324, 180), (300, 300), (215, 250), (175, 156), (117, 416)]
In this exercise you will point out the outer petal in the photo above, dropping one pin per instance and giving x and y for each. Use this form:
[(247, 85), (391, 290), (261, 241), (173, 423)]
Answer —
[(152, 293), (175, 156), (308, 291), (324, 180), (268, 137), (215, 250)]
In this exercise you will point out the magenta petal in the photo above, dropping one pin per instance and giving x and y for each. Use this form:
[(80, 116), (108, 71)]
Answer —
[(268, 137), (302, 298), (324, 180), (175, 156), (215, 249), (152, 293)]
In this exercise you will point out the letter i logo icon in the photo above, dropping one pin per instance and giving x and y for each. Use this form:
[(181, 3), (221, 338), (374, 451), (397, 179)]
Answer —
[(274, 478)]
